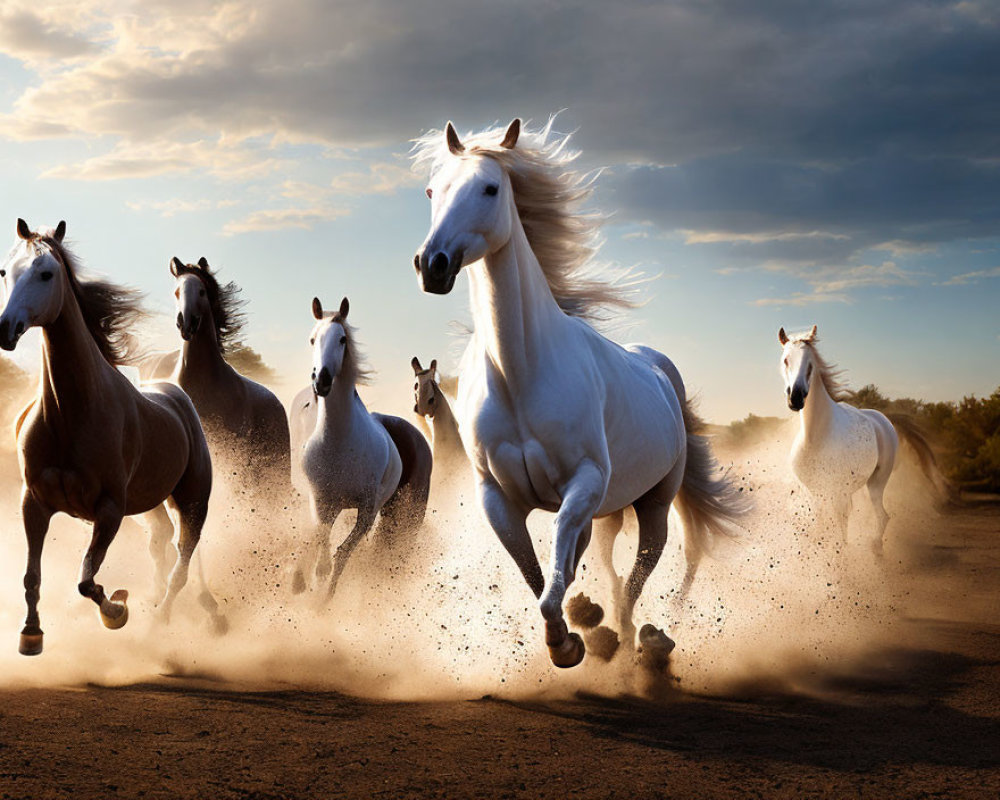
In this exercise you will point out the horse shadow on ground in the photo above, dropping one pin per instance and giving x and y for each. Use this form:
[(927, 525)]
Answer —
[(890, 711)]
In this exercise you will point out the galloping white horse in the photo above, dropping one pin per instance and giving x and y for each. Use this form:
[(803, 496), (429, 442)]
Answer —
[(552, 414), (376, 463), (840, 448)]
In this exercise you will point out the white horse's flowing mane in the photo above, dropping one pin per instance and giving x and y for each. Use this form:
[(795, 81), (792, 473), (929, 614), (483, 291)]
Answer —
[(549, 197), (831, 375)]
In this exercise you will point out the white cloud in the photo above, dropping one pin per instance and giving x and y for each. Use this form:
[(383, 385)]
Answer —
[(971, 277), (283, 218), (760, 237), (170, 208), (383, 177)]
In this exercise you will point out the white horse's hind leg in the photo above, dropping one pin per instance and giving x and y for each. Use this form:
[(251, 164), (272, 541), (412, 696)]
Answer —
[(876, 491), (581, 500), (652, 516)]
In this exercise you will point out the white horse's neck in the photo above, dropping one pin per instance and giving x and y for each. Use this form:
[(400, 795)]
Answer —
[(513, 308), (817, 412), (339, 411)]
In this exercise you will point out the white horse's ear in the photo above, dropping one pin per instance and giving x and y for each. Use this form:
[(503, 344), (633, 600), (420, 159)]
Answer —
[(415, 363), (782, 337), (345, 306), (455, 145), (317, 308), (434, 364), (812, 333), (23, 231), (60, 231), (510, 137), (203, 263), (176, 265)]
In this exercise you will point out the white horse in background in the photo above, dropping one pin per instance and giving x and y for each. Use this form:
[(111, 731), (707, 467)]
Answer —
[(375, 463), (431, 403), (552, 414), (840, 448)]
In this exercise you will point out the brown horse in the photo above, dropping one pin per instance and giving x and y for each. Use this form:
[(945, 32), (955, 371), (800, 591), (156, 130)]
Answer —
[(244, 422), (90, 444)]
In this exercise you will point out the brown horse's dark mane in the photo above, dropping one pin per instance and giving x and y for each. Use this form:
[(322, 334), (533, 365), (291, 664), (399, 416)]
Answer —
[(109, 310), (225, 303)]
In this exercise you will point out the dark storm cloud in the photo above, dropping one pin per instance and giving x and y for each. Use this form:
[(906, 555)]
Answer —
[(873, 119)]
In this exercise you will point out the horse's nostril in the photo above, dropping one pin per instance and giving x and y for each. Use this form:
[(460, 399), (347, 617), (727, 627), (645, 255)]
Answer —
[(416, 262), (439, 265), (180, 319), (19, 329)]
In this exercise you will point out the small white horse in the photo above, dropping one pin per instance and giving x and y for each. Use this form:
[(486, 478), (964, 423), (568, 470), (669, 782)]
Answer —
[(375, 463), (840, 448), (430, 402), (552, 414)]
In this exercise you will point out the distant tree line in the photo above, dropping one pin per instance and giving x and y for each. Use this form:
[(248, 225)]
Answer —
[(966, 434)]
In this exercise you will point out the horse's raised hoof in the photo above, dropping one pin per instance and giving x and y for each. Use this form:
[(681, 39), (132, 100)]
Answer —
[(583, 612), (569, 653), (298, 582), (602, 642), (655, 647), (114, 610), (30, 644)]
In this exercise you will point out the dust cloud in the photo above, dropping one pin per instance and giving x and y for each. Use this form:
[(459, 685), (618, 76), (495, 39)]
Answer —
[(447, 615)]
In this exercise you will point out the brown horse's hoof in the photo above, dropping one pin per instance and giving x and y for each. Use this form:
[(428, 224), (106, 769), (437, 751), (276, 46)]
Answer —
[(602, 642), (30, 644), (114, 611), (583, 612), (569, 653)]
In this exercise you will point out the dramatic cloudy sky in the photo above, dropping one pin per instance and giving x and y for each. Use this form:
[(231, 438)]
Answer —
[(773, 163)]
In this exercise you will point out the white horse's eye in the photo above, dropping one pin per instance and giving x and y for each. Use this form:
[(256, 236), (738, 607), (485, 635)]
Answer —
[(343, 340), (429, 192), (46, 276), (491, 189), (312, 340), (3, 273)]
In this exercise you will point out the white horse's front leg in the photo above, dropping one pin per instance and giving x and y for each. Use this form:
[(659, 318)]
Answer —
[(581, 500)]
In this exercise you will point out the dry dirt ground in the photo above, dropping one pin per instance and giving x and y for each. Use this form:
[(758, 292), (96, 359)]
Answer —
[(917, 721)]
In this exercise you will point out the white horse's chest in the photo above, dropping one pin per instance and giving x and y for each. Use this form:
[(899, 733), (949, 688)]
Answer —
[(533, 442), (351, 464), (839, 459)]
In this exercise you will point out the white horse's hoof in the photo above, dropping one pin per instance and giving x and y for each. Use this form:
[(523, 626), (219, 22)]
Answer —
[(30, 644), (569, 653), (602, 642), (655, 647), (114, 610), (583, 612)]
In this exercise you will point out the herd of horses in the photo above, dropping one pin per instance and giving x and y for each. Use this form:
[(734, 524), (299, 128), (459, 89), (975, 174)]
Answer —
[(547, 412)]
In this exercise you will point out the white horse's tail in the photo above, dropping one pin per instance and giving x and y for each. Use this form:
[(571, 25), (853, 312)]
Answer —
[(910, 431), (709, 504)]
